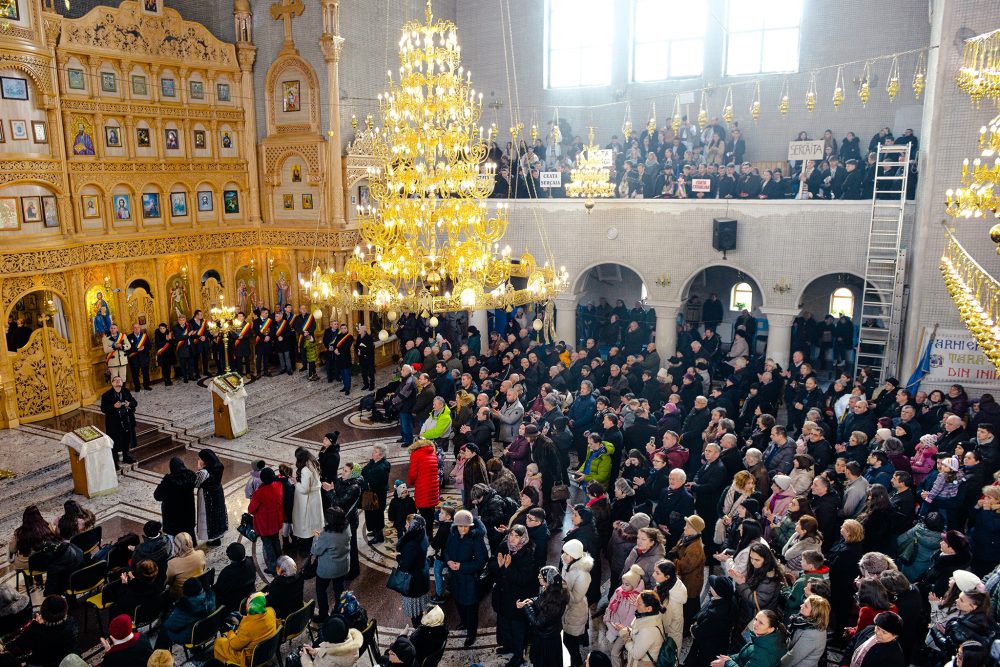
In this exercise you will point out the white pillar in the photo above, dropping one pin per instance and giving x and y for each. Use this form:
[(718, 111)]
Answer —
[(666, 328), (566, 321), (478, 319), (779, 333)]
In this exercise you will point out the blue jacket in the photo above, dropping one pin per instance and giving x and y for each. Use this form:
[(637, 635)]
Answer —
[(186, 613), (581, 413), (470, 552), (881, 475)]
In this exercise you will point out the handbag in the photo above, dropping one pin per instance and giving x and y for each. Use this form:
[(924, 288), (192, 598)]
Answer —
[(908, 552), (308, 569), (399, 581), (246, 527), (559, 492), (369, 501)]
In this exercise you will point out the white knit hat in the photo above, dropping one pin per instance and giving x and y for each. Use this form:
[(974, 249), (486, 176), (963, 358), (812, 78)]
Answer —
[(966, 581), (883, 434), (574, 548), (783, 481)]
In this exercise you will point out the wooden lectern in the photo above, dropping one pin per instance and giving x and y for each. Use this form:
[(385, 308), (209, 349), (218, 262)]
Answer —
[(229, 405)]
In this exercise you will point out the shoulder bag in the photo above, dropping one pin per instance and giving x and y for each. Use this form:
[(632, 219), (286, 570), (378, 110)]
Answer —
[(246, 527), (369, 501), (399, 581)]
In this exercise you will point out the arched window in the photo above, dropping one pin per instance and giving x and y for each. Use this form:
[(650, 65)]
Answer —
[(842, 302), (741, 297), (643, 293)]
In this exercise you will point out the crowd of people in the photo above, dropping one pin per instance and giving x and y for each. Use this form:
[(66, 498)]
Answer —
[(710, 163)]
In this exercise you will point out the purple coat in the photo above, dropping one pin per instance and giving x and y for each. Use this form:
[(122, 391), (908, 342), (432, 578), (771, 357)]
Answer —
[(518, 458)]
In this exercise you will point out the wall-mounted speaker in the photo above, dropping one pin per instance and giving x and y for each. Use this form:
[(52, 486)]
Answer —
[(723, 234)]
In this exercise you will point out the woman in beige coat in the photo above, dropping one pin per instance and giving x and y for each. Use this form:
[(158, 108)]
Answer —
[(307, 512), (576, 566), (187, 562), (645, 636)]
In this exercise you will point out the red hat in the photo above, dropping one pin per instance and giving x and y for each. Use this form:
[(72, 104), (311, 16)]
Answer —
[(120, 627)]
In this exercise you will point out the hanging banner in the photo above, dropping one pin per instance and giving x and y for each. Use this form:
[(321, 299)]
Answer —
[(805, 150), (550, 179), (957, 359)]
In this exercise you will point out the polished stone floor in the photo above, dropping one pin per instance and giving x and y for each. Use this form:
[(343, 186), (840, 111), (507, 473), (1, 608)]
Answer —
[(283, 413)]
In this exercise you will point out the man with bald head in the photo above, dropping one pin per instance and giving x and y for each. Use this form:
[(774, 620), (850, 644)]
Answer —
[(954, 433)]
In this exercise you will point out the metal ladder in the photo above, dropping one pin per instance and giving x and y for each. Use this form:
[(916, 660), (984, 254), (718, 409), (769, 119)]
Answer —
[(881, 301)]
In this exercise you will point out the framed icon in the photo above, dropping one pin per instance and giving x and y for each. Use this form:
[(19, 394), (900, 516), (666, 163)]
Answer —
[(151, 6), (178, 204), (13, 88), (91, 206), (10, 214), (230, 201), (83, 141), (227, 139), (142, 138), (3, 136), (290, 97), (363, 198), (19, 130), (307, 202), (168, 88), (40, 131), (288, 202), (112, 136), (11, 13), (199, 139), (123, 207), (296, 173), (172, 140), (222, 92), (31, 209), (109, 83), (206, 201), (151, 206), (139, 85), (75, 80), (197, 90), (50, 211)]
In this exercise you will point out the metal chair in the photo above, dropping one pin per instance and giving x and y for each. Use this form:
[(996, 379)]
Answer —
[(207, 579), (149, 612), (203, 632), (86, 581), (265, 652), (38, 563), (370, 635), (296, 623), (102, 600), (89, 541), (434, 658)]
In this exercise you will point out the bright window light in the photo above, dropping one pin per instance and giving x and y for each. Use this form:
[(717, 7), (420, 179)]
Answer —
[(580, 36), (842, 302), (665, 45), (762, 36), (741, 297)]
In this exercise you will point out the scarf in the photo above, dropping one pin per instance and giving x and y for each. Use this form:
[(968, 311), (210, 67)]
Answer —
[(593, 501), (775, 498), (513, 550), (623, 596), (862, 651), (590, 459)]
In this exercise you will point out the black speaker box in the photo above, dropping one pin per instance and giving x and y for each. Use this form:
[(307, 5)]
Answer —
[(723, 234)]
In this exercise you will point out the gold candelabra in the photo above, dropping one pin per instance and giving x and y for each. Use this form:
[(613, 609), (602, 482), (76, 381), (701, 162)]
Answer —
[(976, 294), (979, 75), (222, 319), (782, 286), (978, 196), (591, 179)]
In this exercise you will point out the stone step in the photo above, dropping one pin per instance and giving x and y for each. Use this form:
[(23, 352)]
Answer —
[(34, 488)]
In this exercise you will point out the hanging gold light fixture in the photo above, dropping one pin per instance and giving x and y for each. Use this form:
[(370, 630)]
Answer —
[(976, 294), (429, 240), (977, 198), (838, 88), (703, 111), (865, 89), (727, 106), (892, 86), (783, 103), (590, 179), (627, 123), (811, 93), (919, 76), (979, 75), (755, 102), (676, 121)]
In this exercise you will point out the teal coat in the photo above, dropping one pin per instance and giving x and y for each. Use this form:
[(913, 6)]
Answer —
[(763, 651)]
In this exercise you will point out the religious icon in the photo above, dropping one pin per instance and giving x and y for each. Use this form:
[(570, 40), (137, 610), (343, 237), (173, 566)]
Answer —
[(151, 5), (75, 80), (83, 143), (241, 295), (142, 138), (123, 207), (307, 202), (139, 85), (109, 84), (253, 299), (179, 304), (199, 139), (178, 204), (102, 315), (40, 131), (363, 196), (13, 88), (10, 214), (50, 210), (90, 203), (206, 200), (168, 88), (113, 136), (231, 201), (227, 140), (283, 291), (11, 12), (172, 142), (150, 205), (296, 174), (288, 202), (197, 90), (31, 209), (222, 92), (290, 99), (19, 130)]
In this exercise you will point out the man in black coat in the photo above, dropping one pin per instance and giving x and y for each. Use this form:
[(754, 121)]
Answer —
[(364, 348), (954, 433), (711, 311), (731, 458), (695, 423), (138, 357), (376, 474), (423, 403), (118, 406), (825, 505), (674, 505), (852, 185), (903, 501), (708, 484)]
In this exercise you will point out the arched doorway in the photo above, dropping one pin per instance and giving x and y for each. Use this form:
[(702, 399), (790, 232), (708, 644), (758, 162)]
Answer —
[(608, 289), (141, 305), (40, 357), (832, 295), (735, 291)]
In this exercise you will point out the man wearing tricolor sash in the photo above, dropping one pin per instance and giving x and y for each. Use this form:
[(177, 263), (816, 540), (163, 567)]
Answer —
[(138, 358), (264, 340), (163, 344), (116, 345), (301, 323), (182, 348), (200, 344), (239, 344), (284, 342)]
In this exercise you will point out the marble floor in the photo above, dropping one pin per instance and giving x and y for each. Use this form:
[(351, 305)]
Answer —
[(284, 412)]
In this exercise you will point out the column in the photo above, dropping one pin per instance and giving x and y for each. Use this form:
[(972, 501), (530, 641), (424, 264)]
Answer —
[(566, 320), (666, 328), (478, 319), (246, 54), (331, 43), (779, 333)]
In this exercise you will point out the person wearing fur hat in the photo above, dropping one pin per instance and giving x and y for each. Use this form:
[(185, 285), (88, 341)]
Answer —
[(126, 647), (878, 644), (621, 610), (623, 505), (236, 646), (15, 610), (50, 637), (576, 565), (544, 614), (466, 556), (339, 646), (689, 559), (430, 635)]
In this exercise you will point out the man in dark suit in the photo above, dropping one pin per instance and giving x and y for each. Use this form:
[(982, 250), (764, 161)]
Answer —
[(364, 347), (118, 406), (138, 357), (708, 484), (853, 181), (837, 177)]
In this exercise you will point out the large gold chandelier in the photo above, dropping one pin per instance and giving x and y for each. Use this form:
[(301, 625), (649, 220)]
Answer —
[(429, 242), (591, 179), (976, 294), (979, 75), (978, 197)]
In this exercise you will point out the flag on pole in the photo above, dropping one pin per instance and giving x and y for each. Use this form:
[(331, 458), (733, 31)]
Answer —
[(923, 364)]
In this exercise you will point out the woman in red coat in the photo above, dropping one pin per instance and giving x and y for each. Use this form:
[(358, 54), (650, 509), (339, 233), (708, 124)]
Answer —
[(423, 479), (267, 508)]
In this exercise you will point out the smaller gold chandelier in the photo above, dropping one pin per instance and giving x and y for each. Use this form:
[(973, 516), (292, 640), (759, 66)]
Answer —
[(978, 197), (979, 75), (591, 179)]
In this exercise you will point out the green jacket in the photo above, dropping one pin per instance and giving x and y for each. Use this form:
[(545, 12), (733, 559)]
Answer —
[(309, 345), (798, 592), (442, 425), (763, 651), (600, 468)]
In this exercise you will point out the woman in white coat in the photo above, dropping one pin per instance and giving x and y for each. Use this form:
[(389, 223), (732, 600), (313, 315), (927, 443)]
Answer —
[(645, 636), (673, 594), (307, 512), (576, 566)]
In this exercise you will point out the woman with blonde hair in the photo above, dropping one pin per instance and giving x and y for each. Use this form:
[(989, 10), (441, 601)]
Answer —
[(187, 562), (807, 643), (742, 488), (843, 561)]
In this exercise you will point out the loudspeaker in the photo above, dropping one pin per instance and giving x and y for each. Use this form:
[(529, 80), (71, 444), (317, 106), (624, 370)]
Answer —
[(723, 234)]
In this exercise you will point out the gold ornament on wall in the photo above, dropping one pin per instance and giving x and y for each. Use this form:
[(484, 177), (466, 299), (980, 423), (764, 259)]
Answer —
[(651, 124), (865, 89), (703, 111), (838, 88), (811, 93), (919, 76), (783, 103), (979, 75), (755, 103), (676, 122), (556, 132), (627, 123), (892, 86), (727, 106)]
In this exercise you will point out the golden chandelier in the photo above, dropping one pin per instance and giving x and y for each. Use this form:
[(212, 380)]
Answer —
[(979, 75), (976, 294), (429, 242), (978, 197), (591, 179)]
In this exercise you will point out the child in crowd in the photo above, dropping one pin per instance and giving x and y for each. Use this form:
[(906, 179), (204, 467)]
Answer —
[(400, 507), (945, 485), (254, 482), (312, 354), (621, 610), (446, 515), (287, 478), (812, 568), (533, 478)]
